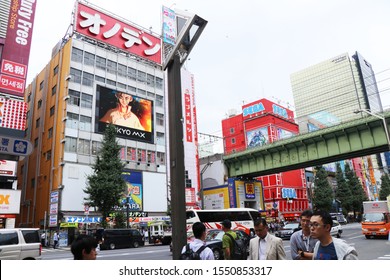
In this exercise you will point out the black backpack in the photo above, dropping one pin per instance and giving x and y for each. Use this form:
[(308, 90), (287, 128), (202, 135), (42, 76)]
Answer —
[(189, 254), (239, 249)]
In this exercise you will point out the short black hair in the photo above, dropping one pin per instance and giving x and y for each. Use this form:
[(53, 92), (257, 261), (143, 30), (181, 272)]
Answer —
[(83, 242), (306, 213), (325, 216), (198, 229), (227, 223), (260, 221)]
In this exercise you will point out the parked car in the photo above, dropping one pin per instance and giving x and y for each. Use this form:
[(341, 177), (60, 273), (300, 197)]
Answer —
[(119, 238), (286, 231), (214, 241), (336, 229), (20, 244), (339, 217)]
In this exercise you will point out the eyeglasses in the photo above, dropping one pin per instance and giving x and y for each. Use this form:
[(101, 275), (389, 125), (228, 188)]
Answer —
[(315, 225)]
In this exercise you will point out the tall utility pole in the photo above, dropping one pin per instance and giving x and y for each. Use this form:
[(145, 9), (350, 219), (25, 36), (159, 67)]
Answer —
[(173, 62)]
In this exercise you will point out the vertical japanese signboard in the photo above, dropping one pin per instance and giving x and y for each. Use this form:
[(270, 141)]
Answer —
[(16, 52), (105, 28), (169, 26)]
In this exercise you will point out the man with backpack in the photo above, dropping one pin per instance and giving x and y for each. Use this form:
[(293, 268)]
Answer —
[(228, 239), (197, 249)]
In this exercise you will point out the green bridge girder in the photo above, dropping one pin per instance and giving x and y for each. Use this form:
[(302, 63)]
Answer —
[(360, 137)]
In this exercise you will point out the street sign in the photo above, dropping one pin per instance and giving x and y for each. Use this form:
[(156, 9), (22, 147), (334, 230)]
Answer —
[(13, 146)]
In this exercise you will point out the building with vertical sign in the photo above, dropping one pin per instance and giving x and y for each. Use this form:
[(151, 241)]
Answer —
[(263, 122), (16, 28), (104, 65)]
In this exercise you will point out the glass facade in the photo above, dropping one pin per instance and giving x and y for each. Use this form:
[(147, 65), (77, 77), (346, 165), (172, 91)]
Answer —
[(327, 93)]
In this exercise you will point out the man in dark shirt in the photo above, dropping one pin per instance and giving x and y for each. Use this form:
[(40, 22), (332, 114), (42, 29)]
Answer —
[(328, 248)]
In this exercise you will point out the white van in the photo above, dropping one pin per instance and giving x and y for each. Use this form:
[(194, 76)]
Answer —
[(20, 244)]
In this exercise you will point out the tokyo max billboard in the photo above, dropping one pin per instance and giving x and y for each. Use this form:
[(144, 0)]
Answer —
[(132, 115)]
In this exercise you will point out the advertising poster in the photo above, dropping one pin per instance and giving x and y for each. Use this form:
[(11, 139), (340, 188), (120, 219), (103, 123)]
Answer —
[(132, 115), (169, 25), (257, 137), (134, 190), (8, 168), (13, 114), (284, 134)]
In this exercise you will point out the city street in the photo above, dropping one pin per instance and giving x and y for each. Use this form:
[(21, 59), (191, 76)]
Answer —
[(368, 249)]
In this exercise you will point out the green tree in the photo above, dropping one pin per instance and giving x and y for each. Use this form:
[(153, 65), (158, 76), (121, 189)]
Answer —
[(384, 192), (323, 193), (105, 186), (343, 192), (358, 194)]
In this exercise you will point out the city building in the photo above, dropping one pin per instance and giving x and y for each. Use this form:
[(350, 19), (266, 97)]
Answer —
[(16, 28), (91, 72), (331, 92), (260, 123)]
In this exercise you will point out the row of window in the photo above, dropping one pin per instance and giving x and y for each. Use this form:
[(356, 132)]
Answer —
[(113, 67), (87, 79), (88, 147)]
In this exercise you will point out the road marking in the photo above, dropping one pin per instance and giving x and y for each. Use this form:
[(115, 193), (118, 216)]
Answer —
[(359, 236)]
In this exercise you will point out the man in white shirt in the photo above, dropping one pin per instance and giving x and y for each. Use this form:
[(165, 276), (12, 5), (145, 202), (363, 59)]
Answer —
[(265, 246), (199, 231)]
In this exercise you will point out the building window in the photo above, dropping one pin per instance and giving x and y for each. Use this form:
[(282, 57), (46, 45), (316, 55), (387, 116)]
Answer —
[(89, 59), (150, 80), (96, 147), (132, 89), (159, 119), (151, 157), (132, 73), (41, 85), (83, 147), (120, 85), (39, 103), (85, 123), (73, 120), (33, 182), (48, 155), (77, 55), (141, 77), (55, 70), (76, 75), (111, 82), (70, 144), (52, 110), (74, 97), (159, 83), (160, 158), (37, 122), (231, 130), (150, 94), (111, 66), (131, 154), (87, 79), (100, 62), (50, 133), (54, 90), (159, 100), (36, 142), (100, 79), (122, 69), (141, 91), (86, 101), (233, 140), (160, 138)]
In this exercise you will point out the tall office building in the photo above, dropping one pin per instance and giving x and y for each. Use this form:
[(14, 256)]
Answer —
[(329, 92)]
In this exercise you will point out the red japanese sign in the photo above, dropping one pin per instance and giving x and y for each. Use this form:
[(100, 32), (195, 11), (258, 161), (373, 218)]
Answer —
[(188, 117), (16, 50), (100, 26)]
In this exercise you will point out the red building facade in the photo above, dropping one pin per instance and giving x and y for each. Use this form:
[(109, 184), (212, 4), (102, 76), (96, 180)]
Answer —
[(260, 123)]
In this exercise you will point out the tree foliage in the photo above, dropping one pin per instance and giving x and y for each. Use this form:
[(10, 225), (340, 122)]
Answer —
[(358, 194), (323, 193), (384, 192), (343, 192), (105, 186)]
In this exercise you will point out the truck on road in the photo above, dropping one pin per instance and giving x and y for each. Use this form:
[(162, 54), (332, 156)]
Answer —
[(376, 219), (160, 232)]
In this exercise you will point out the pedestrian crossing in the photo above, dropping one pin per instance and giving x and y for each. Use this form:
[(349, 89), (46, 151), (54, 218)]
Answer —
[(385, 257)]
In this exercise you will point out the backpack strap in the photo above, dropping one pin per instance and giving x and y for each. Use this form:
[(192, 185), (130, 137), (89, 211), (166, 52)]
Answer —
[(232, 238), (188, 247), (201, 249)]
